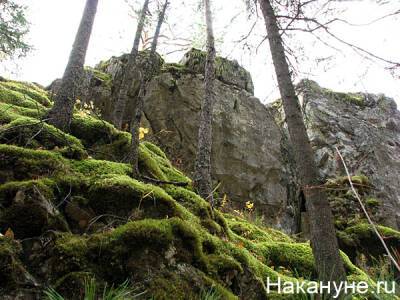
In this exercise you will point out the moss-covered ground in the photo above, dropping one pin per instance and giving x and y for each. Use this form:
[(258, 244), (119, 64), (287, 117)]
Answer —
[(76, 212)]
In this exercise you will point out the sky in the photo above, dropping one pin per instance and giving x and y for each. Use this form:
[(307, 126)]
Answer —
[(54, 24)]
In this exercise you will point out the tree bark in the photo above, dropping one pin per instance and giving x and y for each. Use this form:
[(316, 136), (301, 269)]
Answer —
[(128, 75), (202, 178), (145, 78), (61, 113), (323, 237)]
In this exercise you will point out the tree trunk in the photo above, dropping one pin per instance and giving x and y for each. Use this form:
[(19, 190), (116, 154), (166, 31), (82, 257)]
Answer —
[(128, 75), (202, 178), (61, 113), (145, 78), (323, 237)]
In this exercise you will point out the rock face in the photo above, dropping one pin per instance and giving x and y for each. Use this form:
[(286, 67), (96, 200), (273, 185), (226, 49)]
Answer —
[(251, 154), (229, 72), (366, 129), (165, 240), (246, 155)]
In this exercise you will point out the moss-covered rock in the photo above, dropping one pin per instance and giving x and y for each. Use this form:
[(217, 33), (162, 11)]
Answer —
[(34, 133), (361, 238), (84, 216), (310, 86), (28, 209), (227, 71), (12, 271), (356, 236)]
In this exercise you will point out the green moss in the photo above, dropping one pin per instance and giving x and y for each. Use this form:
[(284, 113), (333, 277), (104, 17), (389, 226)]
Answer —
[(18, 99), (28, 90), (69, 255), (105, 142), (120, 194), (358, 180), (294, 256), (103, 65), (29, 186), (72, 285), (9, 112), (354, 234), (351, 98), (190, 200), (175, 69), (166, 231), (222, 264), (157, 164), (155, 149), (149, 162), (116, 149), (365, 231), (372, 202), (225, 70), (92, 167), (254, 233), (30, 132), (72, 245), (12, 270), (27, 208), (99, 75), (92, 130), (19, 163), (361, 238)]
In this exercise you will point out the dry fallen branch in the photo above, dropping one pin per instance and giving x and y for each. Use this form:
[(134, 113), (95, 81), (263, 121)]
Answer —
[(366, 213), (157, 181)]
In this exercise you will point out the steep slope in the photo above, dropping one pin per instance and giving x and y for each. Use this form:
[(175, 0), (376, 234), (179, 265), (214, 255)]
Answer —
[(252, 157), (249, 157), (75, 213)]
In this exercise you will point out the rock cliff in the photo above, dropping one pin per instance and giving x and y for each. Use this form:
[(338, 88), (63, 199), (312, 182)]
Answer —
[(366, 130), (251, 154), (70, 214)]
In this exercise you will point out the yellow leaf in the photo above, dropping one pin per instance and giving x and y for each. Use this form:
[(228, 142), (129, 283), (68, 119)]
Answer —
[(224, 200), (143, 132), (249, 205), (9, 233)]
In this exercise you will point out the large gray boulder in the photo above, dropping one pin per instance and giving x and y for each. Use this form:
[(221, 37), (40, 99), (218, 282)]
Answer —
[(247, 156), (251, 155), (366, 129), (227, 71)]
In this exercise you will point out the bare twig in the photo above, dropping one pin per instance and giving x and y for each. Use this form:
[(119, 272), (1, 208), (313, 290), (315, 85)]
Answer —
[(157, 181), (95, 219), (65, 198)]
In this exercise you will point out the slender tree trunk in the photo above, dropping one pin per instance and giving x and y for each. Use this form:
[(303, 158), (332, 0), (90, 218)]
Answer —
[(161, 19), (203, 160), (323, 237), (147, 74), (128, 75), (61, 113)]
